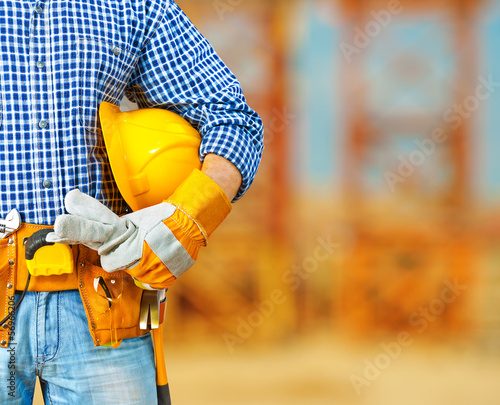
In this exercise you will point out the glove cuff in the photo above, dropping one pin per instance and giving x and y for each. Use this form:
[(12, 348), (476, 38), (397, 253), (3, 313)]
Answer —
[(202, 200)]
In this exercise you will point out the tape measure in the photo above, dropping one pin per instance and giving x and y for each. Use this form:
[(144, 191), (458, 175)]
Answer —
[(43, 259), (47, 258)]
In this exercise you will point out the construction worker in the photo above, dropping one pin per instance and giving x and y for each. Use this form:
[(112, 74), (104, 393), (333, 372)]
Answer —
[(78, 329)]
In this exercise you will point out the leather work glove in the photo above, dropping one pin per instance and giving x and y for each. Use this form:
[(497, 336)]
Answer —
[(155, 245)]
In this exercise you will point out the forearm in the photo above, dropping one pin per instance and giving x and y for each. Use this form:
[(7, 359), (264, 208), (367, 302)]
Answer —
[(224, 173)]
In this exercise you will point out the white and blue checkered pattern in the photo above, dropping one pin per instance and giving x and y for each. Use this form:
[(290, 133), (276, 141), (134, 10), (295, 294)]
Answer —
[(61, 59)]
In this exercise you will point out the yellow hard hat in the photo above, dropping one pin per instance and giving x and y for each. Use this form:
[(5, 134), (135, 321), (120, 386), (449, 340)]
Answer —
[(151, 151)]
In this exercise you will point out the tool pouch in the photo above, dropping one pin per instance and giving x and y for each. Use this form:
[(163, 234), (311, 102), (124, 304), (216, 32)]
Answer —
[(112, 301), (112, 316)]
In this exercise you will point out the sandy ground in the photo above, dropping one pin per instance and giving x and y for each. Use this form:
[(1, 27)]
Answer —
[(320, 370)]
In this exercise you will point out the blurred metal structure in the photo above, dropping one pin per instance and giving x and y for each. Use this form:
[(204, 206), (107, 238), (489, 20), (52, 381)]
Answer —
[(413, 234)]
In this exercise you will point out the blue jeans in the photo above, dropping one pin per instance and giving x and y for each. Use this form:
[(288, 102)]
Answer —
[(51, 340)]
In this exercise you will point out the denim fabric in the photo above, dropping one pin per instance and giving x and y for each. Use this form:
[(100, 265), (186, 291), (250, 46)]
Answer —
[(51, 340)]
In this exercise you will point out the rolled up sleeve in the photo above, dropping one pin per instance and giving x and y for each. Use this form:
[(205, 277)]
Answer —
[(179, 70)]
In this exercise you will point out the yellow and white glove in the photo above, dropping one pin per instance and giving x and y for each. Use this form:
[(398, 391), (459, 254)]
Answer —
[(154, 245)]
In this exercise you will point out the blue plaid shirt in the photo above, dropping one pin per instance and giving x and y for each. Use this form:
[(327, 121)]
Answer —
[(61, 59)]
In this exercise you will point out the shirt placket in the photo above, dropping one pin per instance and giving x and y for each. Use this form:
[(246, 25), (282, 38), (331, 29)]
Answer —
[(42, 125)]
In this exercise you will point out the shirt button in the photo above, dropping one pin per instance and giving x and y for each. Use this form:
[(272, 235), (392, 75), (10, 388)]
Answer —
[(40, 64), (47, 184), (116, 51), (43, 124), (39, 10)]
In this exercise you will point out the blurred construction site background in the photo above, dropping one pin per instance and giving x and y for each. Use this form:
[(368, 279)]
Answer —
[(363, 266)]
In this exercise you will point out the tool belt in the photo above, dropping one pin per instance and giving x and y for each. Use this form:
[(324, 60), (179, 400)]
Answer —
[(112, 301)]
